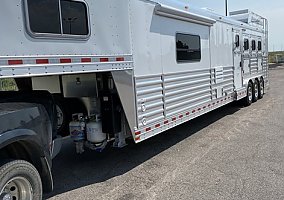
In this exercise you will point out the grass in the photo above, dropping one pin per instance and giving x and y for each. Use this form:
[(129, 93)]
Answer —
[(272, 56), (8, 85)]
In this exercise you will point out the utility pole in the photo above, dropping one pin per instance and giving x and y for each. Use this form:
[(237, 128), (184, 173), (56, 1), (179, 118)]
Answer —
[(226, 7)]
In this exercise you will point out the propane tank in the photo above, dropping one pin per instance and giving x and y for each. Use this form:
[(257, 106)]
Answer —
[(94, 130), (77, 127), (77, 131)]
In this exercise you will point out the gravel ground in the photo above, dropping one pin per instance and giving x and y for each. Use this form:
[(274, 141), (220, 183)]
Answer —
[(231, 153)]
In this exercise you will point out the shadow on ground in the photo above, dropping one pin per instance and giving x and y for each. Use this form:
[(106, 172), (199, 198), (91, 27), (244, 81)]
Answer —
[(73, 171)]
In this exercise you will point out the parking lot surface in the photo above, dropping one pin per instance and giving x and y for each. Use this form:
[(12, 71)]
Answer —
[(234, 152)]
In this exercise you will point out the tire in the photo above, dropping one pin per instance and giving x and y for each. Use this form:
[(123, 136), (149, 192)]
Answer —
[(255, 91), (247, 101), (261, 89), (20, 180), (63, 115)]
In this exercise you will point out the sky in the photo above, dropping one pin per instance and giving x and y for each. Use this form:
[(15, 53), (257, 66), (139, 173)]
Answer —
[(273, 10)]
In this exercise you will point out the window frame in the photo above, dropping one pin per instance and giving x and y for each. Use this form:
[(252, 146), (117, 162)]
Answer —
[(54, 35), (253, 45), (246, 39), (237, 40), (259, 42), (188, 61)]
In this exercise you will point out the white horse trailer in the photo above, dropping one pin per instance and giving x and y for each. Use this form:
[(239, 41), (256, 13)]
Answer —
[(138, 67)]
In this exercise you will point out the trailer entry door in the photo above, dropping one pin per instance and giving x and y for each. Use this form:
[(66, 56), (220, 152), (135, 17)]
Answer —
[(237, 52)]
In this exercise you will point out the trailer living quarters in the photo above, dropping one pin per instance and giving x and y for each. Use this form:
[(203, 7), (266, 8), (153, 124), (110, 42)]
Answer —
[(142, 66)]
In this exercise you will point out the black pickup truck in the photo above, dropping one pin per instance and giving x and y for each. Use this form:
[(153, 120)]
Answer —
[(28, 142)]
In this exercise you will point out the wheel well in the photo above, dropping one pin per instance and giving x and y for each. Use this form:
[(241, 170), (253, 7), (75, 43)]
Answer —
[(28, 151)]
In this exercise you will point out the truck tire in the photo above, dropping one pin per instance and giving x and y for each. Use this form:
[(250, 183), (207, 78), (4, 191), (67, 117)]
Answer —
[(261, 89), (248, 100), (63, 115), (255, 91), (19, 180)]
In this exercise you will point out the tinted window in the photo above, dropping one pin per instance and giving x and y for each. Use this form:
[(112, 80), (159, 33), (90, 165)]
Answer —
[(44, 16), (74, 18), (237, 40), (253, 45), (188, 47), (246, 44), (259, 46)]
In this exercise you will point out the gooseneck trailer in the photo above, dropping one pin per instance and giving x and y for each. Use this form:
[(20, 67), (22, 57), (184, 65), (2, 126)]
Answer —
[(105, 71)]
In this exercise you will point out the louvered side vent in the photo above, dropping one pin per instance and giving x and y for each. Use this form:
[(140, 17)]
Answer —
[(186, 90), (150, 103)]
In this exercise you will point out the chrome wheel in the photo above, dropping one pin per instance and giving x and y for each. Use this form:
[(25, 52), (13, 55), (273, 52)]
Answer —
[(18, 188), (261, 89), (256, 90), (250, 95), (249, 98), (60, 117)]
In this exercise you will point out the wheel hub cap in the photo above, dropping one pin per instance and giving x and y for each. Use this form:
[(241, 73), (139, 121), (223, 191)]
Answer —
[(18, 188), (6, 196), (256, 91), (59, 117), (250, 94)]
